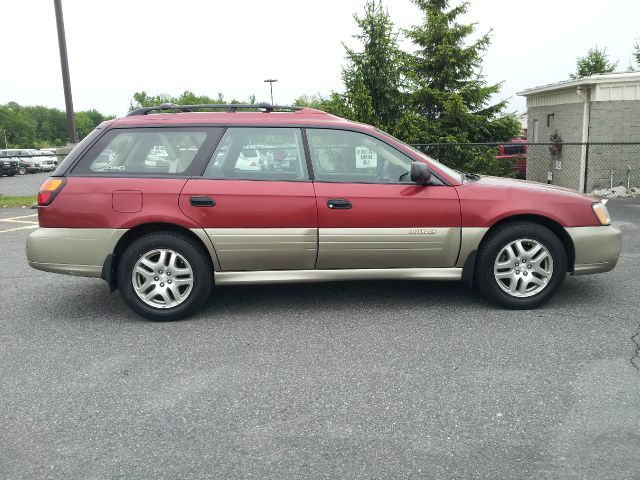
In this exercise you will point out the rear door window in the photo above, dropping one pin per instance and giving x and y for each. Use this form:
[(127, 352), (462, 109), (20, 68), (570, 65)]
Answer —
[(259, 154), (150, 151)]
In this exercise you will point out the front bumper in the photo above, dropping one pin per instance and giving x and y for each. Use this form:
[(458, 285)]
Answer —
[(72, 251), (597, 248)]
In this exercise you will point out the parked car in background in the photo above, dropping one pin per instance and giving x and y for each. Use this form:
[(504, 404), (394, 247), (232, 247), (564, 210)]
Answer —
[(353, 203), (32, 160), (517, 151), (48, 161), (28, 165), (9, 165)]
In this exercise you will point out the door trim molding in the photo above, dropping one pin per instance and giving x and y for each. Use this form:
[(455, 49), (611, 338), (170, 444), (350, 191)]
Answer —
[(309, 276)]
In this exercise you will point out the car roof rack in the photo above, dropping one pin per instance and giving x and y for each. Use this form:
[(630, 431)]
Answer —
[(229, 107)]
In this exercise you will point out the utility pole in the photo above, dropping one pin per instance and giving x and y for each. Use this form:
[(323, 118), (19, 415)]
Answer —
[(5, 139), (271, 81), (66, 81)]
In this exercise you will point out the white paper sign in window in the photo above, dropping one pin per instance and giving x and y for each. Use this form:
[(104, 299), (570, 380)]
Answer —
[(365, 158)]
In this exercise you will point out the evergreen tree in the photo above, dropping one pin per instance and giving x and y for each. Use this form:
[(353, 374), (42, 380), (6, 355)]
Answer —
[(595, 61), (636, 53), (451, 101), (373, 75)]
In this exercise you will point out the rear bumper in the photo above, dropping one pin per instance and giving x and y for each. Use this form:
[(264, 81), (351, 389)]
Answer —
[(9, 169), (72, 251), (597, 248)]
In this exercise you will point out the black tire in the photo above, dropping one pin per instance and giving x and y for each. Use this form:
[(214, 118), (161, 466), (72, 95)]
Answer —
[(198, 259), (493, 245)]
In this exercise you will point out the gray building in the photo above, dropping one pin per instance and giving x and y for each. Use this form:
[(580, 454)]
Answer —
[(595, 109)]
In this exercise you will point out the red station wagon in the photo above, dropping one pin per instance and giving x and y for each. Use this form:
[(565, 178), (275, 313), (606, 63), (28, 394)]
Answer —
[(165, 205)]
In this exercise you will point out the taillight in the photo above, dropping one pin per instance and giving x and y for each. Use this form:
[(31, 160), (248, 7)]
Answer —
[(50, 189)]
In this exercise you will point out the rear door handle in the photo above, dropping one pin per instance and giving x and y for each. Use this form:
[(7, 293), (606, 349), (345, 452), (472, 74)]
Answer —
[(338, 204), (202, 201)]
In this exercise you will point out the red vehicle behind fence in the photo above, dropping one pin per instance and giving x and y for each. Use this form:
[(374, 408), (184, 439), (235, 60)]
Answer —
[(516, 150)]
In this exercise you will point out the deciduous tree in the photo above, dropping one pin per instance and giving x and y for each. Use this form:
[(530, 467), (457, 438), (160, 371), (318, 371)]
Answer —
[(595, 61)]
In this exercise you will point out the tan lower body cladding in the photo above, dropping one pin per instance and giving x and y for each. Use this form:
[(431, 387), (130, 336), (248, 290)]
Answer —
[(242, 249), (245, 249), (289, 255)]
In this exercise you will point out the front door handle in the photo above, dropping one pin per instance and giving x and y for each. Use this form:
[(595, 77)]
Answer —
[(202, 201), (338, 204)]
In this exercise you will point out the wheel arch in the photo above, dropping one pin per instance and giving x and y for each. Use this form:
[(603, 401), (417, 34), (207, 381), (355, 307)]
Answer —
[(551, 224), (469, 266), (110, 267)]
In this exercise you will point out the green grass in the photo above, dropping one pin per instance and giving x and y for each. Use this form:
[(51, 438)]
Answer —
[(25, 201)]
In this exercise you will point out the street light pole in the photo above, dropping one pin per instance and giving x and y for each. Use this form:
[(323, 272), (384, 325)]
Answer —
[(271, 81), (64, 65), (5, 139)]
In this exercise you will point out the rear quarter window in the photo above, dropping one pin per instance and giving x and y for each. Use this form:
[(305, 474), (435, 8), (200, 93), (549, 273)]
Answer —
[(153, 151)]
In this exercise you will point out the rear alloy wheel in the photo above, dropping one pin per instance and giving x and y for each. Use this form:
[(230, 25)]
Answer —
[(521, 265), (165, 276), (162, 278)]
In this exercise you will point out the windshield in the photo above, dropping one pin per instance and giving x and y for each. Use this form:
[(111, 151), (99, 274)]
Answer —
[(441, 166)]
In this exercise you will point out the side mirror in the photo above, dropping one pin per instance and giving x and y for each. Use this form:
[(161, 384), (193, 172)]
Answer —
[(420, 173)]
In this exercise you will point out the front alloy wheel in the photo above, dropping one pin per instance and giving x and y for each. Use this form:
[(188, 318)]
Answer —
[(520, 265), (523, 268)]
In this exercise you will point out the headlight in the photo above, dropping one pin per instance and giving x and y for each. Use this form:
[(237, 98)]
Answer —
[(602, 213)]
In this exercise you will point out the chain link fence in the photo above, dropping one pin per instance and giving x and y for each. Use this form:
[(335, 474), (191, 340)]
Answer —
[(602, 168), (584, 167), (22, 173)]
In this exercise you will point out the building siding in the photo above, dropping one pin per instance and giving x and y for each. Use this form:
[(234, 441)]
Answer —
[(614, 116), (567, 120), (614, 121)]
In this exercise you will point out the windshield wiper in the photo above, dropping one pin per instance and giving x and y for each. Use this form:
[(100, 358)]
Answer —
[(471, 176), (403, 175)]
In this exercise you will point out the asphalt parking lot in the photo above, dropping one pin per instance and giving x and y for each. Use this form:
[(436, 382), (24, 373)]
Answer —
[(332, 381)]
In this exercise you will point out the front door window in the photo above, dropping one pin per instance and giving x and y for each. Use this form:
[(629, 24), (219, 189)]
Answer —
[(351, 157)]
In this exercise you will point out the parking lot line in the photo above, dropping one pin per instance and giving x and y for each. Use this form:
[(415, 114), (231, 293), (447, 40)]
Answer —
[(16, 218), (18, 228), (19, 221)]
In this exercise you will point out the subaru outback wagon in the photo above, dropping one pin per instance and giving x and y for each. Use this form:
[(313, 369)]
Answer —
[(350, 202)]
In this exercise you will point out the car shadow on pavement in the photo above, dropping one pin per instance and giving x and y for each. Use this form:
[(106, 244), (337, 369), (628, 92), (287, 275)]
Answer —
[(373, 298), (93, 302), (338, 295)]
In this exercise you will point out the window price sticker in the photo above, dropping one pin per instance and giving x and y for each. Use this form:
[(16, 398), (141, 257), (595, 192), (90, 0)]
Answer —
[(365, 158)]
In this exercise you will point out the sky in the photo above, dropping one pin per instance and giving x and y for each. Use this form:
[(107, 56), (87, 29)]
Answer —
[(118, 47)]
